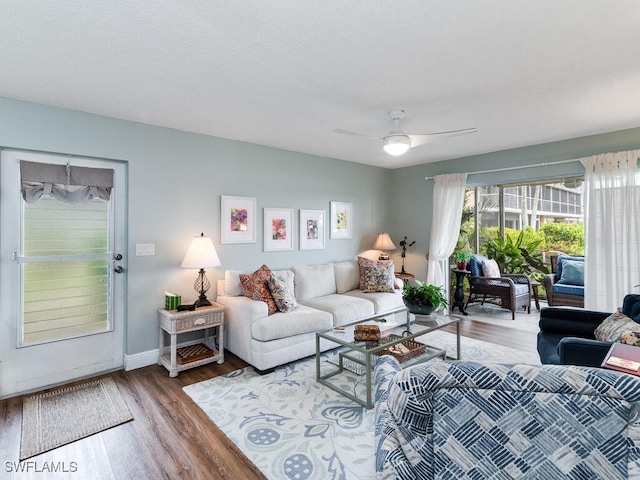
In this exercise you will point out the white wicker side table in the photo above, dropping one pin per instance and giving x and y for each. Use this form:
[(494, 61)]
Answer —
[(175, 323)]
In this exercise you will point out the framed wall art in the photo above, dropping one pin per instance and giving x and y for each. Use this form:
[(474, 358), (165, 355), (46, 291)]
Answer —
[(237, 220), (278, 229), (312, 229), (341, 219)]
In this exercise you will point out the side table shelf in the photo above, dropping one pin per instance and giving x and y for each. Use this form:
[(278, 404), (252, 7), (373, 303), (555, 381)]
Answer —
[(174, 323)]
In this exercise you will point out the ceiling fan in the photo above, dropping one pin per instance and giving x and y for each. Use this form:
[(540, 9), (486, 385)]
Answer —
[(396, 142)]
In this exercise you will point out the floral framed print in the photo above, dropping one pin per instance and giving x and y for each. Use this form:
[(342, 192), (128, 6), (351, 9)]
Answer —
[(311, 229), (237, 219), (341, 220), (278, 229)]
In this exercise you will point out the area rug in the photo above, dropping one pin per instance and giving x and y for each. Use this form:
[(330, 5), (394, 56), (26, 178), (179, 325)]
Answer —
[(291, 427), (64, 415)]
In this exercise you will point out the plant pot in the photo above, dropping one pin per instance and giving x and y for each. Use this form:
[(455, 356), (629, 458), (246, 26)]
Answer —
[(462, 265), (419, 309)]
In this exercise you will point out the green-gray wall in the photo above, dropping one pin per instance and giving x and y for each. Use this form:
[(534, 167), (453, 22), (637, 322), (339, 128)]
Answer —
[(176, 179), (175, 183)]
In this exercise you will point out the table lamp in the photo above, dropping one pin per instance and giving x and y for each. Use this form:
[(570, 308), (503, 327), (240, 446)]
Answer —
[(383, 242), (201, 254)]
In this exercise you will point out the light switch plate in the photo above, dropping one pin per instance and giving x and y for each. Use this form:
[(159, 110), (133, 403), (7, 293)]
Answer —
[(145, 249)]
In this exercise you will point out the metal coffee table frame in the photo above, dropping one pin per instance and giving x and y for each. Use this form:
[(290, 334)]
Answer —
[(358, 352)]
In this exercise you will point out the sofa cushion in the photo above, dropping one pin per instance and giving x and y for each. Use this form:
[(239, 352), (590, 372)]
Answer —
[(344, 308), (572, 273), (282, 325), (314, 281), (490, 268), (615, 326), (382, 301), (347, 275), (232, 285), (282, 293), (255, 286), (379, 279), (367, 262)]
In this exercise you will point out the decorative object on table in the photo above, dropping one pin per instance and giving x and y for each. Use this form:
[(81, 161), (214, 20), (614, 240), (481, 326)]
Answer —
[(278, 229), (193, 353), (201, 254), (312, 229), (237, 219), (383, 243), (423, 299), (624, 358), (171, 301), (366, 333), (461, 258), (341, 220), (404, 246), (402, 351)]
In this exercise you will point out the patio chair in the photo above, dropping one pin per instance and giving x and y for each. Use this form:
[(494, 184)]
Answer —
[(487, 284)]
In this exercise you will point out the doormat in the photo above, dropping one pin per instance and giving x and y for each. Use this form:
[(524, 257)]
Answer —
[(67, 414)]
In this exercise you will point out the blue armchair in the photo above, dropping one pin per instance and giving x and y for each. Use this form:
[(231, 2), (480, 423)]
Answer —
[(566, 335)]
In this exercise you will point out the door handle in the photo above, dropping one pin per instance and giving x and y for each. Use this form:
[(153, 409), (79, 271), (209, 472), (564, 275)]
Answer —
[(118, 269)]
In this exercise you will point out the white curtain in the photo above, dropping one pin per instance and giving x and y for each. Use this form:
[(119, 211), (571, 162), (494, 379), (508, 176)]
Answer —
[(448, 200), (612, 227)]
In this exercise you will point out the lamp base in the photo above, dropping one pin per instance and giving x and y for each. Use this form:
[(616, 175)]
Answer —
[(202, 301), (383, 256)]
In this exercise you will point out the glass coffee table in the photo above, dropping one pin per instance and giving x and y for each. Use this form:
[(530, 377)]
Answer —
[(398, 330)]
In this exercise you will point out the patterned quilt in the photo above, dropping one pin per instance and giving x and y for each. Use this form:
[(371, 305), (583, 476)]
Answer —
[(462, 420)]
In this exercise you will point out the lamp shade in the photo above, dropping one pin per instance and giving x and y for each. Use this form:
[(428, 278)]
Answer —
[(201, 254), (383, 242)]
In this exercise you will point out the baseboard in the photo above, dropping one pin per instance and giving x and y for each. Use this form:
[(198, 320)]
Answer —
[(142, 359)]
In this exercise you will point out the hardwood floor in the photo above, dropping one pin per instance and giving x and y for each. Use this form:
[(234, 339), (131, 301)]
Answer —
[(170, 437)]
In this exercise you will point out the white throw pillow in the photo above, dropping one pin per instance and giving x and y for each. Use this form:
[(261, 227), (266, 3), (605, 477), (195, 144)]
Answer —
[(490, 268)]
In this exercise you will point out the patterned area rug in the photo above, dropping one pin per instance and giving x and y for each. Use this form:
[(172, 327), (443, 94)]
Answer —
[(64, 415), (291, 427)]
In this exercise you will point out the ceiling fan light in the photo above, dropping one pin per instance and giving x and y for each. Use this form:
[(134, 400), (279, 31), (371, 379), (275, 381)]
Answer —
[(396, 144)]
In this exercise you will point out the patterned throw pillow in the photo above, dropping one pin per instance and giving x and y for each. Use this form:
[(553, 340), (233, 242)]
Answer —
[(256, 287), (379, 279), (365, 262), (616, 327), (282, 294), (490, 268)]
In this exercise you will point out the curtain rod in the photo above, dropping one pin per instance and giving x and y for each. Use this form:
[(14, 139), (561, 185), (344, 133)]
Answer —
[(545, 164)]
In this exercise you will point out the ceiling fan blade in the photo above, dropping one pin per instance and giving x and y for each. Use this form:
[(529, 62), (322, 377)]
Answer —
[(417, 140), (352, 134)]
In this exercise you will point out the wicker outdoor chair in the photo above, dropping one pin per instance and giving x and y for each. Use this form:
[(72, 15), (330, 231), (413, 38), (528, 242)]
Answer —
[(509, 291)]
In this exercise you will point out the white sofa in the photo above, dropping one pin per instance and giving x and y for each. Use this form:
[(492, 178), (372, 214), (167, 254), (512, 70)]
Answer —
[(327, 296)]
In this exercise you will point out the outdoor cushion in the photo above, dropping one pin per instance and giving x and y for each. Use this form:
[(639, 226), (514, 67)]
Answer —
[(572, 273), (568, 289), (564, 258), (521, 288), (490, 268)]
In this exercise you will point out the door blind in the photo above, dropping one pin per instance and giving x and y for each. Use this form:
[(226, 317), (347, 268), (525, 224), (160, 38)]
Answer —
[(65, 268)]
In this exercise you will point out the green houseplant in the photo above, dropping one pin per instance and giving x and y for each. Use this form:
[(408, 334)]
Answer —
[(461, 257), (423, 299)]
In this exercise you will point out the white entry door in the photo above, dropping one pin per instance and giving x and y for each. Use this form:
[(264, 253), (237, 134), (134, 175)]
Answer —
[(63, 269)]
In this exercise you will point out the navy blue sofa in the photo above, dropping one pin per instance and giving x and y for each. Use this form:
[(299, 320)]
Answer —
[(566, 334)]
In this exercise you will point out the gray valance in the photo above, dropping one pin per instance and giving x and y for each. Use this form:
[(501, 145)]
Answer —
[(64, 183)]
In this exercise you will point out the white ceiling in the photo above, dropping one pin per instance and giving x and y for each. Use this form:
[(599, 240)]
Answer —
[(288, 73)]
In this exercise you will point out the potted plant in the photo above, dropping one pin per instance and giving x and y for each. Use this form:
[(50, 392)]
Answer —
[(423, 299), (461, 258)]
